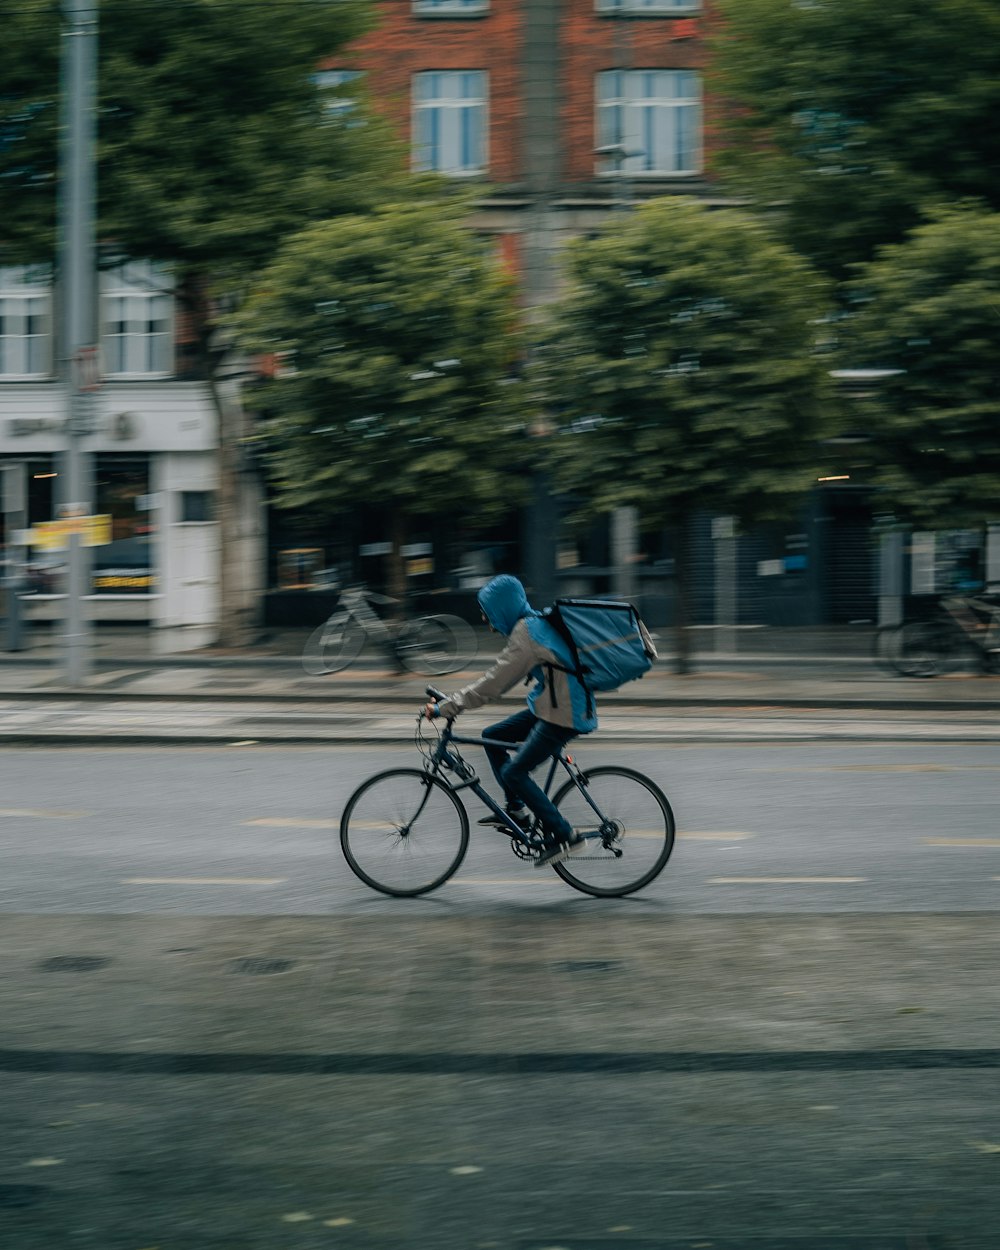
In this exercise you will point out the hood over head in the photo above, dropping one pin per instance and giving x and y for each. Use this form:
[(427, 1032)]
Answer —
[(504, 602)]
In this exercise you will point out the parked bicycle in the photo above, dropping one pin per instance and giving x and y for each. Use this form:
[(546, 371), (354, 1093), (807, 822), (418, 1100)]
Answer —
[(963, 632), (405, 831), (428, 644)]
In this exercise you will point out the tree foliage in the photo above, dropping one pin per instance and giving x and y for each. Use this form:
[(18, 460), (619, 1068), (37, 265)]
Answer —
[(396, 333), (850, 118), (214, 137), (930, 308), (682, 366), (683, 372)]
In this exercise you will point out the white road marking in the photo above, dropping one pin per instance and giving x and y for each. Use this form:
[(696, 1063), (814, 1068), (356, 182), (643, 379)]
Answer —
[(708, 835), (295, 822), (42, 813), (203, 880), (961, 841), (785, 880)]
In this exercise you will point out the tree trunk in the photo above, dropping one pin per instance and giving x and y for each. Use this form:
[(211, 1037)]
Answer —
[(398, 534), (238, 618), (682, 599)]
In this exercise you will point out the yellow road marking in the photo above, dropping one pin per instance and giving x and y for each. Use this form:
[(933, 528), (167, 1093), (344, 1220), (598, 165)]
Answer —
[(42, 813), (203, 880), (961, 841), (785, 880)]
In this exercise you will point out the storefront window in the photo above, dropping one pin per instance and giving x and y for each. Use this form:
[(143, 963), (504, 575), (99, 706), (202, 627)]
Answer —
[(121, 491)]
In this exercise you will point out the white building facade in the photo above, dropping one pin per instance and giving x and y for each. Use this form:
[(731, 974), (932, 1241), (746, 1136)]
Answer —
[(153, 454)]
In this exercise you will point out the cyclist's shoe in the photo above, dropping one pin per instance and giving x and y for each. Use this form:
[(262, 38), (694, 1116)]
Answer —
[(555, 851), (520, 816)]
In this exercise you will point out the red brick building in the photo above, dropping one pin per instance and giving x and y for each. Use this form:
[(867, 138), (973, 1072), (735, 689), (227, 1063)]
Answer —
[(559, 111)]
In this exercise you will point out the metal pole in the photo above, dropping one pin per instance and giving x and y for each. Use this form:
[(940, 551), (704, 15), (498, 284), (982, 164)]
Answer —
[(724, 536), (77, 254)]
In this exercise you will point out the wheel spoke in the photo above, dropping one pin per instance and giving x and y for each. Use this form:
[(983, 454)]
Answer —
[(404, 833)]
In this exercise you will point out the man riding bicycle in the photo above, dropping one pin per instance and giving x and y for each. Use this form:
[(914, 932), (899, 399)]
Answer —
[(557, 710)]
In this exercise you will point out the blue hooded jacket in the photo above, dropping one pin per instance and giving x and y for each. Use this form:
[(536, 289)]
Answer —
[(535, 651)]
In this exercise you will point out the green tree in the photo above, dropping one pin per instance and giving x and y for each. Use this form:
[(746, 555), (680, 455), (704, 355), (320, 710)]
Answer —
[(930, 309), (216, 141), (396, 332), (682, 372), (849, 118)]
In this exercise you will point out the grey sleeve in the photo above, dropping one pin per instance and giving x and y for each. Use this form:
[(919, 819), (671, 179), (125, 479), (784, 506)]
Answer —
[(514, 663)]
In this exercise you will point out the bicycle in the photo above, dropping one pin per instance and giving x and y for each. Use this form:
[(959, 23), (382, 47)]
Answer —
[(965, 628), (405, 831), (429, 644)]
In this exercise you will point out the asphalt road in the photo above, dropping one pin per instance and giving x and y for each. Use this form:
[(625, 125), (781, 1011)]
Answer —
[(213, 1038)]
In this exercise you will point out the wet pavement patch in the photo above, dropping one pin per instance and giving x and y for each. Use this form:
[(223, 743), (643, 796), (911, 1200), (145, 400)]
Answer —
[(588, 965), (253, 966), (75, 963)]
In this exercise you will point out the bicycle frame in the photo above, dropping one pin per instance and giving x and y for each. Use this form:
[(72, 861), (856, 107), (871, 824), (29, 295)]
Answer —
[(442, 759)]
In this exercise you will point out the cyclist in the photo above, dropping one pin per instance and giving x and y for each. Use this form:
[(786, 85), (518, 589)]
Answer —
[(556, 712)]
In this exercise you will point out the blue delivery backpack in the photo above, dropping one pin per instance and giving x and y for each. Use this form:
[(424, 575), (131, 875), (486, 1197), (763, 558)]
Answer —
[(608, 642)]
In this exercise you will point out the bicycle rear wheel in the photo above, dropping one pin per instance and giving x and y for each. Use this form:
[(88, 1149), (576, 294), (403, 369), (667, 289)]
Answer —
[(404, 832), (436, 644), (928, 649), (333, 645), (636, 831)]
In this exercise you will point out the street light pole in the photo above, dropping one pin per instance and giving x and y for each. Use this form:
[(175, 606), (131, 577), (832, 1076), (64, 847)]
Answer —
[(77, 253)]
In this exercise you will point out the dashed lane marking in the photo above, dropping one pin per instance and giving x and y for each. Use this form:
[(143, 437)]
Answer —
[(294, 822), (785, 880), (42, 813), (961, 841), (203, 880), (708, 835)]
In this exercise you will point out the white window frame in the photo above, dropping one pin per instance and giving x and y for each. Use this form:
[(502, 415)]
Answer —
[(137, 322), (450, 114), (640, 109), (25, 323), (450, 8), (667, 7)]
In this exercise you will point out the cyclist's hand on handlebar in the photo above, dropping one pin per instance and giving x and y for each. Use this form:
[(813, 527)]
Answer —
[(430, 711)]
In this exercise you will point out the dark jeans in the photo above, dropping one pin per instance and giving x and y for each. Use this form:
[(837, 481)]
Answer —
[(539, 740)]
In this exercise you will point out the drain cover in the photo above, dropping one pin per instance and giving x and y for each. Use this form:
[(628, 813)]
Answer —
[(588, 965), (21, 1195), (255, 967), (75, 963)]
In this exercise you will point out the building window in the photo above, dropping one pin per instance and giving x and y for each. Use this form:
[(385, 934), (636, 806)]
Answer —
[(25, 323), (450, 8), (197, 506), (137, 330), (449, 121), (649, 122), (648, 6), (339, 101)]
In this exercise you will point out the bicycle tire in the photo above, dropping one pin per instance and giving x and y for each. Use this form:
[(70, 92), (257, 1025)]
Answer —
[(643, 839), (404, 832), (333, 645), (927, 649), (436, 644), (885, 648)]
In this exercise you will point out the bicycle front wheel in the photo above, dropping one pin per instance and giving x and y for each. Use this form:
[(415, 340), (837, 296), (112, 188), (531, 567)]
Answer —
[(636, 831), (436, 644), (404, 832), (333, 645)]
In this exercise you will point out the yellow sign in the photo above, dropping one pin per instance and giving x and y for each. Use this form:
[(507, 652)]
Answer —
[(94, 531)]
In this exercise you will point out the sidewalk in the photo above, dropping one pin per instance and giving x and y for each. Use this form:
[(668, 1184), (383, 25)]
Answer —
[(781, 692)]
